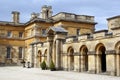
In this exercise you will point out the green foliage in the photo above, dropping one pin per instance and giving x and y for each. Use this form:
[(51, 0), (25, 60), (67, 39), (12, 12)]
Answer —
[(52, 66), (43, 65)]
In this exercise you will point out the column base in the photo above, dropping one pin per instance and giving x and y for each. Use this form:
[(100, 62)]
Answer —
[(92, 71), (112, 73), (65, 69)]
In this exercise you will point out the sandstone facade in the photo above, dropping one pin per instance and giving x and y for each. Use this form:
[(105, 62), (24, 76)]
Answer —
[(70, 40)]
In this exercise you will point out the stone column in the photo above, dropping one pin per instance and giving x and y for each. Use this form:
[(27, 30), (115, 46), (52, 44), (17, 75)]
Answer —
[(79, 63), (57, 54), (49, 55), (35, 55), (69, 63), (118, 64), (82, 63), (98, 66), (23, 53)]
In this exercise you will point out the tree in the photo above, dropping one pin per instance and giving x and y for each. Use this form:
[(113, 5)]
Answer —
[(52, 66), (43, 65)]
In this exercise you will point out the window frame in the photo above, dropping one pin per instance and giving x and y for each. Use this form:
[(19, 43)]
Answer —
[(43, 32), (20, 34), (9, 34)]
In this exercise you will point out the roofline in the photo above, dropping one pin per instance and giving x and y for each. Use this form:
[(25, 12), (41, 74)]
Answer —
[(30, 21), (118, 16), (76, 21), (11, 23), (71, 14), (101, 31)]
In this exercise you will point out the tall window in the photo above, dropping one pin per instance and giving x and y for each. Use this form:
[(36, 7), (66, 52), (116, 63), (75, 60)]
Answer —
[(20, 52), (8, 52), (77, 31), (20, 34), (9, 34), (43, 31)]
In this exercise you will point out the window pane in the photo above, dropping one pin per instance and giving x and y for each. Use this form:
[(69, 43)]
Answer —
[(20, 34), (20, 52), (43, 31), (77, 32), (9, 34), (8, 52)]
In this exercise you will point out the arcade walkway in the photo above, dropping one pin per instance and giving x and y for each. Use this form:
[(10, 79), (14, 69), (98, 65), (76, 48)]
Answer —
[(19, 73)]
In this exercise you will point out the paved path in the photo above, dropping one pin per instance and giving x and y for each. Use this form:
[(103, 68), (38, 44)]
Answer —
[(19, 73)]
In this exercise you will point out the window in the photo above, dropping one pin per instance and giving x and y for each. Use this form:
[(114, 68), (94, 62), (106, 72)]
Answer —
[(9, 34), (77, 31), (20, 34), (43, 31), (20, 52), (8, 52)]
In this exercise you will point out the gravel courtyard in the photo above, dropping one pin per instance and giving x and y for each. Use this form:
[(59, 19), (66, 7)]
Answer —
[(19, 73)]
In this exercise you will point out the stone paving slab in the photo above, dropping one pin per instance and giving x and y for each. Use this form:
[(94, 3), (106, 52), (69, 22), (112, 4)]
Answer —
[(19, 73)]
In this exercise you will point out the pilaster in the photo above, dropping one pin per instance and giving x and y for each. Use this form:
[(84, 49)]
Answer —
[(57, 54)]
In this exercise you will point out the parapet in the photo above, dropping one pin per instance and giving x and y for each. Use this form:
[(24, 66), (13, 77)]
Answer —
[(73, 17)]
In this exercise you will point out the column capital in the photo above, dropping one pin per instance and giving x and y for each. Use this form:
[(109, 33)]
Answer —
[(108, 52), (91, 53)]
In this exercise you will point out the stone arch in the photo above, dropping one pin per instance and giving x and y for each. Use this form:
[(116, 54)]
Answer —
[(70, 52), (84, 58), (39, 58), (101, 57), (117, 49)]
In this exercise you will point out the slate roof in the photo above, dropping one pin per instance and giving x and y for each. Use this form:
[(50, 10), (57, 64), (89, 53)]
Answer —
[(39, 20), (58, 29), (11, 23)]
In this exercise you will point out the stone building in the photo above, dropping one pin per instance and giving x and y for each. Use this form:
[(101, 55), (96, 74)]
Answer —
[(70, 40)]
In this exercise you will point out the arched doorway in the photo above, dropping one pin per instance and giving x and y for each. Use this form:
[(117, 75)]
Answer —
[(71, 59), (101, 58), (84, 58)]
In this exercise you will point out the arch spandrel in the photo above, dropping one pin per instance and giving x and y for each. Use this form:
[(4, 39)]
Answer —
[(83, 50), (99, 47), (117, 47), (70, 50)]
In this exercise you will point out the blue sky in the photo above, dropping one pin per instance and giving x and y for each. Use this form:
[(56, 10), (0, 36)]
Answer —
[(101, 9)]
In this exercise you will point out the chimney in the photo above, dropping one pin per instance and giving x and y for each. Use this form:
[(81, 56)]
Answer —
[(15, 17), (46, 12), (34, 15)]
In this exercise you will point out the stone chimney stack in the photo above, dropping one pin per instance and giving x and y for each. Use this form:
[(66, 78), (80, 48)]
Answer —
[(15, 17), (46, 12), (34, 15)]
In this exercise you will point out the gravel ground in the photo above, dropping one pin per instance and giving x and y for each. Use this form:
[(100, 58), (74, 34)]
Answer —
[(19, 73)]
